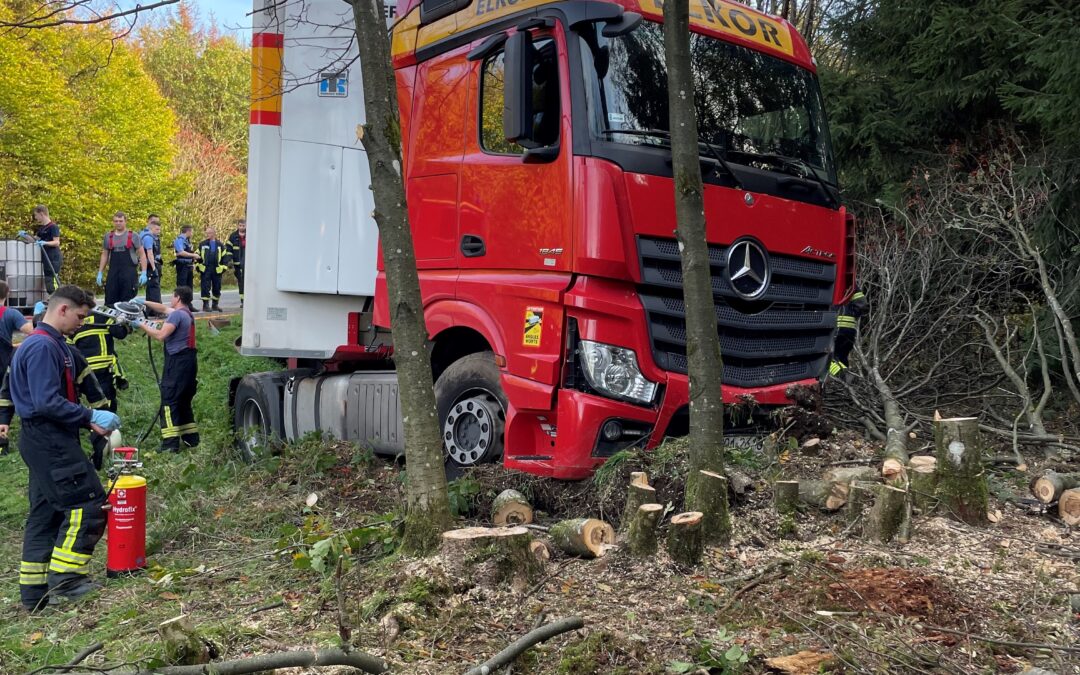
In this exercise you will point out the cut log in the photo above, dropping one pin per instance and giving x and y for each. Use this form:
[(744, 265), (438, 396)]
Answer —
[(583, 537), (636, 494), (822, 494), (183, 645), (511, 508), (811, 446), (709, 492), (961, 485), (642, 537), (922, 472), (886, 515), (1069, 507), (786, 497), (639, 478), (850, 473), (494, 554), (540, 550), (1049, 487), (685, 542), (738, 483), (860, 498)]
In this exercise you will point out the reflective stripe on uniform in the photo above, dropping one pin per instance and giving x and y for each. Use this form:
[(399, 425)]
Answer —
[(192, 428), (835, 367), (87, 372), (33, 573), (70, 557), (858, 295), (846, 322), (57, 565), (169, 430), (75, 523)]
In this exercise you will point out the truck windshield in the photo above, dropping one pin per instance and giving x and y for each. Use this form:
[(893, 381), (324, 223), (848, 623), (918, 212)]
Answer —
[(751, 108)]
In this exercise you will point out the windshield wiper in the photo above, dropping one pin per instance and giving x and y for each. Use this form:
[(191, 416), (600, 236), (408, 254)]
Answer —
[(666, 135), (804, 169)]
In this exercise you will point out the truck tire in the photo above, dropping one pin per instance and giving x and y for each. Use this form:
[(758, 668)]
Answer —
[(472, 410), (257, 414)]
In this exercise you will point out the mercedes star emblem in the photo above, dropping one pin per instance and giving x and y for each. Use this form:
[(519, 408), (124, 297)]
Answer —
[(748, 269)]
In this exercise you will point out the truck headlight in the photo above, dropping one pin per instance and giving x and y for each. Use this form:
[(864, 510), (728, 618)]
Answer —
[(614, 371)]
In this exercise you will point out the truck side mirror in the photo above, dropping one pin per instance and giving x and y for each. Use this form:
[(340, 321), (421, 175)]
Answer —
[(518, 59)]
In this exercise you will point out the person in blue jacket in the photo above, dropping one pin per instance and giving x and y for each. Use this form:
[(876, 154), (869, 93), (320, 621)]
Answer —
[(66, 519), (11, 321)]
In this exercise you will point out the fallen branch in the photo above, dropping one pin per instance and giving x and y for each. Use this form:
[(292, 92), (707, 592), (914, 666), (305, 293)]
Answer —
[(761, 579), (528, 640), (782, 562), (1004, 643), (75, 660), (305, 659)]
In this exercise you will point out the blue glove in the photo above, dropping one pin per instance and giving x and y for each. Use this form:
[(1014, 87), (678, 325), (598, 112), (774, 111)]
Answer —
[(139, 301), (39, 244), (99, 278), (39, 308), (137, 322), (22, 233), (109, 421), (142, 278)]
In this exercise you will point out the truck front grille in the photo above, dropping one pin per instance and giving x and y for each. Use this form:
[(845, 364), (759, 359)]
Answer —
[(783, 337)]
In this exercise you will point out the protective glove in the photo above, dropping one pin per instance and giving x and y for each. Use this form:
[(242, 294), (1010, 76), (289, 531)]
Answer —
[(39, 244), (139, 301), (21, 233), (137, 322), (142, 278), (39, 308), (99, 278), (109, 421), (221, 269)]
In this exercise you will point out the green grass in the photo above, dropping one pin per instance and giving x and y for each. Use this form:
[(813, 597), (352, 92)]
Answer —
[(205, 508)]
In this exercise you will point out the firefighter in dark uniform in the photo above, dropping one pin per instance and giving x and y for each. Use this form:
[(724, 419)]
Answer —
[(213, 261), (123, 252), (236, 247), (11, 321), (179, 378), (47, 238), (186, 257), (151, 241), (847, 328), (66, 519), (96, 340)]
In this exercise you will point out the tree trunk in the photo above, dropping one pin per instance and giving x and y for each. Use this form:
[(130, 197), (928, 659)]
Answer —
[(922, 473), (511, 508), (1069, 507), (846, 475), (636, 495), (961, 484), (886, 515), (584, 537), (709, 492), (786, 497), (1048, 488), (685, 542), (860, 497), (496, 555), (822, 494), (428, 511), (642, 537), (702, 339)]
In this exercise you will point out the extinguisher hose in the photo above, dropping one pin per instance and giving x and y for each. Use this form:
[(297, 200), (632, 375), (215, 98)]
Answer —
[(157, 378)]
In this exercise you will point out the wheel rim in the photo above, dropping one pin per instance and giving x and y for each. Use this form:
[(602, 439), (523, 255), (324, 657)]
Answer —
[(472, 425), (252, 428)]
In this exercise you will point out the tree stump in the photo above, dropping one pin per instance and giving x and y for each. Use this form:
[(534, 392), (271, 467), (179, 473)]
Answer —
[(642, 537), (639, 478), (811, 447), (786, 497), (511, 508), (922, 474), (860, 498), (183, 645), (540, 550), (822, 494), (1048, 488), (961, 485), (685, 541), (709, 493), (493, 554), (583, 537), (1069, 507), (637, 493), (886, 515)]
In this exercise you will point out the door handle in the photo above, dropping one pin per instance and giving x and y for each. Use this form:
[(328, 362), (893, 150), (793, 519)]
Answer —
[(472, 246)]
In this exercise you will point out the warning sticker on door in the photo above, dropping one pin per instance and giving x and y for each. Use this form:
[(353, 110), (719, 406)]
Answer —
[(534, 326)]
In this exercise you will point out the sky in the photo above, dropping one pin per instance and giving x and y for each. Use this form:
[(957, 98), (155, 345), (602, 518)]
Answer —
[(229, 15)]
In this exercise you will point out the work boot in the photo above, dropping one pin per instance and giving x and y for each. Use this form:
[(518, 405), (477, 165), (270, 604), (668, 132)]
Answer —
[(216, 307), (204, 307), (76, 589)]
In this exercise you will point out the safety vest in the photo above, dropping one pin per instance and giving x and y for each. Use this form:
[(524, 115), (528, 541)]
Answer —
[(69, 365), (849, 313), (130, 240)]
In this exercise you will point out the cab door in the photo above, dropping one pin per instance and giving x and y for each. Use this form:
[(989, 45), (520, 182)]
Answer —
[(515, 209)]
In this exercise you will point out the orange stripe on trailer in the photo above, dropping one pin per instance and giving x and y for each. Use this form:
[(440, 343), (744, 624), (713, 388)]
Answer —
[(267, 51)]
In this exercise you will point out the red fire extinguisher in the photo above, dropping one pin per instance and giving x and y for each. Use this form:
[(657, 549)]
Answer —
[(126, 535)]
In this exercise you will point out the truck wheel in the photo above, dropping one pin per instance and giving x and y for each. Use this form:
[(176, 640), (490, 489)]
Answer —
[(257, 415), (472, 409)]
